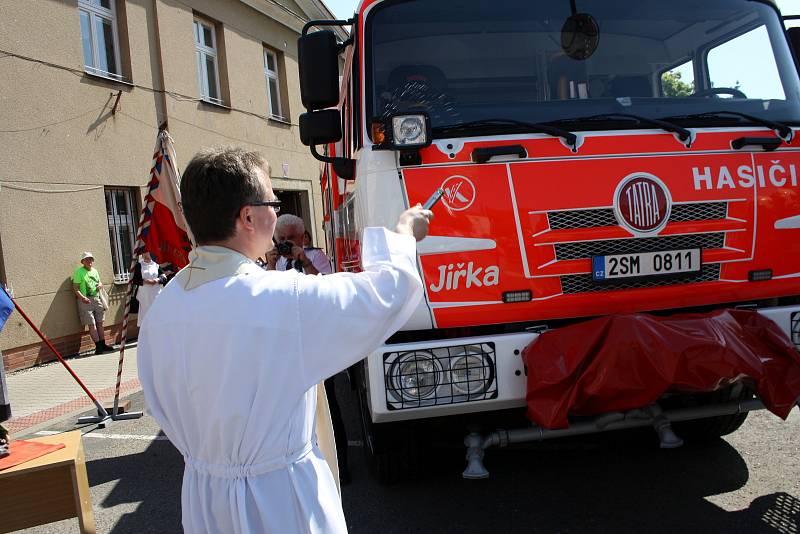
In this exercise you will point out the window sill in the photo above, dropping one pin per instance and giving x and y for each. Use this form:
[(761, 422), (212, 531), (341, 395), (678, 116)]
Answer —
[(214, 104), (280, 120), (106, 78)]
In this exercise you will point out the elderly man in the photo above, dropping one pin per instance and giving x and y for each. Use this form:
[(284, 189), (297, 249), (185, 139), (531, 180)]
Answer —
[(229, 353), (86, 286), (290, 231)]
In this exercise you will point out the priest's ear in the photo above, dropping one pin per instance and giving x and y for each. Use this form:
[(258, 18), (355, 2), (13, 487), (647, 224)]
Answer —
[(245, 219)]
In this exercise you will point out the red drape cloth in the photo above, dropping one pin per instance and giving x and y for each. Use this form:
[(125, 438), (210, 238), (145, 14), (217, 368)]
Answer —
[(623, 362), (22, 451)]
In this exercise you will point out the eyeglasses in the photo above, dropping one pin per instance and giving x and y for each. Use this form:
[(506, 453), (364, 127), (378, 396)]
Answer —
[(275, 204)]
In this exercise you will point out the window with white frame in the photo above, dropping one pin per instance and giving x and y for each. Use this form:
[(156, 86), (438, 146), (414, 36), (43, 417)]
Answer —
[(205, 43), (273, 84), (100, 38), (121, 215)]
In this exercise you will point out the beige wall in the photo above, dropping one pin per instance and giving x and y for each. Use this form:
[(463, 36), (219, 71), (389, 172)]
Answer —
[(62, 144)]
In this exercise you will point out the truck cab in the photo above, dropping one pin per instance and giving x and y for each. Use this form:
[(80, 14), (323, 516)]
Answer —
[(596, 158)]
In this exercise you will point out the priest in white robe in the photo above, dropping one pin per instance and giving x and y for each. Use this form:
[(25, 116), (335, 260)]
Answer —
[(229, 355)]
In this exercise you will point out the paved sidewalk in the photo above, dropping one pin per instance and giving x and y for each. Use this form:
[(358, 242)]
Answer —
[(48, 392)]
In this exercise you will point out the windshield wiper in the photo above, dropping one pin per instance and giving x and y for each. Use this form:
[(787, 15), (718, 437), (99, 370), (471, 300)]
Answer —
[(783, 131), (683, 134), (518, 126)]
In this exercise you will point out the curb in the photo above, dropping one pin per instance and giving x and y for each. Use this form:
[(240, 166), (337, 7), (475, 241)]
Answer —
[(32, 422)]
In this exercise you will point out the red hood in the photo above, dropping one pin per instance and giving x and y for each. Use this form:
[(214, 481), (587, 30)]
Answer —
[(535, 223)]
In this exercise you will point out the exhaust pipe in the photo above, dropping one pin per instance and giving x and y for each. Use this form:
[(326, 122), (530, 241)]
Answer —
[(650, 416)]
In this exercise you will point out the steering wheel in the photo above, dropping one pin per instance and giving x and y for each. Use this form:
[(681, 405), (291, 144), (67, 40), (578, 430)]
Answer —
[(418, 95), (720, 91)]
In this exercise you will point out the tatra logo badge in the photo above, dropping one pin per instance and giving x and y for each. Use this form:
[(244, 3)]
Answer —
[(642, 204), (459, 193)]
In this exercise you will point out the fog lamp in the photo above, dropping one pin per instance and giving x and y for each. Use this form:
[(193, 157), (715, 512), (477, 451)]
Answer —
[(415, 375), (517, 296), (470, 373), (760, 276)]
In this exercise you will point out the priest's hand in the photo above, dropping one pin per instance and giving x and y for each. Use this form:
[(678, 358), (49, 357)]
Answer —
[(415, 221)]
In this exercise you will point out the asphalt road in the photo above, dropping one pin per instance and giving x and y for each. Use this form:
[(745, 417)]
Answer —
[(748, 483)]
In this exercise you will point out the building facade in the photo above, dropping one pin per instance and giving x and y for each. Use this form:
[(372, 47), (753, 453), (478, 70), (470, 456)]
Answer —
[(84, 87)]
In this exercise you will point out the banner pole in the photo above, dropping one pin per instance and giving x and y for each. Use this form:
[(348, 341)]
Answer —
[(138, 249), (101, 412)]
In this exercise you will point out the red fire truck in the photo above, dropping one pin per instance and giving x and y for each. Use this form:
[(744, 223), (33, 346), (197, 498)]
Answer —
[(597, 158)]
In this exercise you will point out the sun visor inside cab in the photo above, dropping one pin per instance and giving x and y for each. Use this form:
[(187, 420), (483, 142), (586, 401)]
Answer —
[(623, 362)]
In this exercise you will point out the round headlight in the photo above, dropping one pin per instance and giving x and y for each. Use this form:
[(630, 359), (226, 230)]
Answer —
[(409, 130), (415, 375), (470, 373)]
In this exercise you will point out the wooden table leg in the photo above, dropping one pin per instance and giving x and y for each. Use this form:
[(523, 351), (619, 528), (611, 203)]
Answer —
[(83, 497)]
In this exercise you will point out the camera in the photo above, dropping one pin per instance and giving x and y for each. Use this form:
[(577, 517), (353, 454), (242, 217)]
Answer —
[(285, 248)]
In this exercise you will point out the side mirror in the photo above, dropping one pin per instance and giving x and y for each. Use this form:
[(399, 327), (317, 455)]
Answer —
[(320, 127), (318, 59), (794, 40)]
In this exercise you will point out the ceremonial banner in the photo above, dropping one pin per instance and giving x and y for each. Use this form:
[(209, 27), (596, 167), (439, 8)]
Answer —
[(163, 229)]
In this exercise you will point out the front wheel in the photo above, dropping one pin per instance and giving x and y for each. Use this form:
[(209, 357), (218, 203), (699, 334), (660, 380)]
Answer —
[(710, 428), (393, 451)]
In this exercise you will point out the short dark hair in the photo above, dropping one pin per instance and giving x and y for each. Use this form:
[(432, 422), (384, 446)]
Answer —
[(215, 186)]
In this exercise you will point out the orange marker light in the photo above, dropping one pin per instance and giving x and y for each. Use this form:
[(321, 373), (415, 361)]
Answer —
[(378, 133)]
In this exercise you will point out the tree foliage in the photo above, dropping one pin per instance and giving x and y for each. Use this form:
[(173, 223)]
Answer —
[(674, 86)]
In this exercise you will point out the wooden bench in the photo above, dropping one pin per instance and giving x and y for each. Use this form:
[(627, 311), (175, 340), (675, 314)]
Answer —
[(49, 488)]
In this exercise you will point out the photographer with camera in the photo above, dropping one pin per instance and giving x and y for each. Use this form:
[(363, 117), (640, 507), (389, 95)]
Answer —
[(289, 253)]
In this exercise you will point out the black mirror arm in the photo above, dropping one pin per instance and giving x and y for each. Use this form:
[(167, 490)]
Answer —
[(311, 23), (344, 168), (344, 44)]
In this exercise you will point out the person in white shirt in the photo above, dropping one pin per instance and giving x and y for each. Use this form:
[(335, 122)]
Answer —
[(149, 279), (290, 233), (229, 354)]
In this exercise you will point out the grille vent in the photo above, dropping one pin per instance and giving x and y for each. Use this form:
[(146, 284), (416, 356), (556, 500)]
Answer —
[(587, 249), (583, 283), (572, 219)]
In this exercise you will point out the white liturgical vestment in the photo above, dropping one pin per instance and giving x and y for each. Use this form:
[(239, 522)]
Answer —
[(229, 360)]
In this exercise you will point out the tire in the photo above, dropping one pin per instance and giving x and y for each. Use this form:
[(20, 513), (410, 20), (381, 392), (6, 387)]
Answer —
[(711, 428), (392, 450)]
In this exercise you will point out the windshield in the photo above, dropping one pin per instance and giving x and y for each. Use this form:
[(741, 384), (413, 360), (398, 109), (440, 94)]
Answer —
[(557, 61)]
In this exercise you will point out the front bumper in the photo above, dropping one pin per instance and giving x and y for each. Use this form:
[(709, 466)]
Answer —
[(507, 387)]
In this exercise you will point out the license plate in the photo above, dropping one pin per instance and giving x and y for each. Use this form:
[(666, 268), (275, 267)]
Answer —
[(645, 264)]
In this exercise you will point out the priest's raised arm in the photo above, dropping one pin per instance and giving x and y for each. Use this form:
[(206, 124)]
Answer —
[(346, 315)]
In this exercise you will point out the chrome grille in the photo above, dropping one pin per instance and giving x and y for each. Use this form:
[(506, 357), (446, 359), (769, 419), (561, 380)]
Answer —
[(567, 220), (703, 211), (571, 219), (583, 283), (587, 249)]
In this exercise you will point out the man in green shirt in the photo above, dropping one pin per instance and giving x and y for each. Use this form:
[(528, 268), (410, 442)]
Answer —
[(86, 285)]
